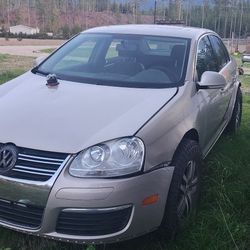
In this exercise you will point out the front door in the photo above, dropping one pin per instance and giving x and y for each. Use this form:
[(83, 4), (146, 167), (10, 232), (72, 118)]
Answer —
[(214, 102)]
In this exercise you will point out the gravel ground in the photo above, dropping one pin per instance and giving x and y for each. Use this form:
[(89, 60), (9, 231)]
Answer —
[(33, 42), (31, 50), (27, 47)]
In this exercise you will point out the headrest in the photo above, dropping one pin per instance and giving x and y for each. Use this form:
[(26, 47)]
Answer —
[(129, 46)]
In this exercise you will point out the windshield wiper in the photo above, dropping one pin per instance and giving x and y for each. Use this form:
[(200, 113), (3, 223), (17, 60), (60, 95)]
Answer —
[(36, 70)]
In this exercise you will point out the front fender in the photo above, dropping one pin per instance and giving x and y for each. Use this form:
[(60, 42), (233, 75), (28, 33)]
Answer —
[(163, 133)]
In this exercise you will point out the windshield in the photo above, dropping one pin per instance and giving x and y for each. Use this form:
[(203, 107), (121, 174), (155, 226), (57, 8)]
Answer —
[(120, 60)]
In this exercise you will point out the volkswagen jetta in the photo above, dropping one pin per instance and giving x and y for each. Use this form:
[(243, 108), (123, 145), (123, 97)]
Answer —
[(103, 140)]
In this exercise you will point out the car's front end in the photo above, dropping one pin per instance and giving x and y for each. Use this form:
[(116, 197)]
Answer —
[(57, 182), (46, 200)]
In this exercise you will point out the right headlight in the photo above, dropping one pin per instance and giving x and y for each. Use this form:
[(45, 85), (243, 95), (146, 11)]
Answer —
[(110, 159)]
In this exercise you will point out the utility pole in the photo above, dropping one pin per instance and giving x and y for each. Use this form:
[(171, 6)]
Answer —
[(155, 11), (8, 12), (178, 9), (241, 15), (203, 14), (29, 11), (188, 12)]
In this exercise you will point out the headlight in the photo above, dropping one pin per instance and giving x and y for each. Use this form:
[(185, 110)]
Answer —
[(114, 158)]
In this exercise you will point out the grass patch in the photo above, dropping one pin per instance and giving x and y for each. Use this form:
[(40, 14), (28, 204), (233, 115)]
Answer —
[(49, 51), (6, 76), (16, 64), (223, 221), (8, 72), (3, 57), (245, 81), (246, 65)]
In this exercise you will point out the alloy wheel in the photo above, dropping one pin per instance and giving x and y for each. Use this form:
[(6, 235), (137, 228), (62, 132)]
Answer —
[(238, 116), (188, 190)]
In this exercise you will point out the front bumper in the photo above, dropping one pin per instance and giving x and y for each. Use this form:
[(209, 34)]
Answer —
[(80, 195)]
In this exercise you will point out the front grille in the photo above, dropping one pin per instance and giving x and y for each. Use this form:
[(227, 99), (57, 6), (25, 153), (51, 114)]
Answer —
[(20, 214), (93, 223), (36, 165)]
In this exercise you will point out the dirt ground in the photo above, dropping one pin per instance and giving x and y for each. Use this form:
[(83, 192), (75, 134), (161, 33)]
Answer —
[(31, 50), (30, 42), (28, 47)]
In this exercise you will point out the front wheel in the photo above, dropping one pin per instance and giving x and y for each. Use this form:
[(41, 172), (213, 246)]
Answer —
[(184, 190)]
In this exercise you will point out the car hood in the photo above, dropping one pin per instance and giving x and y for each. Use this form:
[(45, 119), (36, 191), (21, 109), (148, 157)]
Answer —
[(73, 116)]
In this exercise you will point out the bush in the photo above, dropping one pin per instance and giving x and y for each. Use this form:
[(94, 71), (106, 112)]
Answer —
[(64, 33), (21, 36)]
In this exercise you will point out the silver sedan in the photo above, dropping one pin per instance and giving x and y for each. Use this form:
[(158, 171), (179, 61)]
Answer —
[(103, 140)]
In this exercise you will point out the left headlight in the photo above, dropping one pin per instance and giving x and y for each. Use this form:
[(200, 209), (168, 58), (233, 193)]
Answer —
[(110, 159)]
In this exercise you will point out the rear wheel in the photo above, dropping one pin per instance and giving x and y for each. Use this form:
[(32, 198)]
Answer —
[(184, 189), (234, 124)]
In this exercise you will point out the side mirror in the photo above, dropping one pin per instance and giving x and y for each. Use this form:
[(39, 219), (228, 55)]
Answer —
[(38, 60), (212, 80)]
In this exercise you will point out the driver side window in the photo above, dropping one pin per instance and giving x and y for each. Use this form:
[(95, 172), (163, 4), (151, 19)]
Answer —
[(206, 60)]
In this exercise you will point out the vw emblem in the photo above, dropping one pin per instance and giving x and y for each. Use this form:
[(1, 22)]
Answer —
[(8, 157)]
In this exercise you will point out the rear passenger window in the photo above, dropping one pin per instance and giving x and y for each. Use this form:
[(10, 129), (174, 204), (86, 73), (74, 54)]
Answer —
[(206, 60), (220, 51)]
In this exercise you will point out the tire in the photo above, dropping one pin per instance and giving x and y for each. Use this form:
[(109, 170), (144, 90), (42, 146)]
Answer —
[(235, 121), (184, 192)]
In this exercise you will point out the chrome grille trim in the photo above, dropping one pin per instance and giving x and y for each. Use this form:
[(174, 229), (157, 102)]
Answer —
[(41, 158), (45, 162), (18, 167), (32, 172), (36, 165)]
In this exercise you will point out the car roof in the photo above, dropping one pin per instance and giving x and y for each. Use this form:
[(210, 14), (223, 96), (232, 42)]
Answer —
[(155, 30)]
